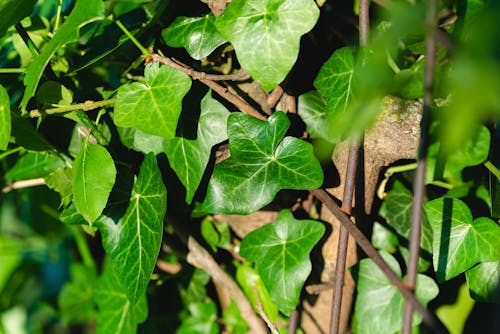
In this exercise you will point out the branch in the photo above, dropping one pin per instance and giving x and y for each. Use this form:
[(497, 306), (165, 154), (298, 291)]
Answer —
[(24, 184), (200, 258), (85, 106), (429, 319)]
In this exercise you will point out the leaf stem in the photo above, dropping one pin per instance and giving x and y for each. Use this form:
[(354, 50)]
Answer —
[(12, 70), (83, 248), (143, 50), (58, 16), (9, 152), (86, 106), (493, 170)]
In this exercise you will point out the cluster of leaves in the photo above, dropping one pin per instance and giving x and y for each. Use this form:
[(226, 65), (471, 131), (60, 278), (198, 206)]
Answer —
[(141, 172)]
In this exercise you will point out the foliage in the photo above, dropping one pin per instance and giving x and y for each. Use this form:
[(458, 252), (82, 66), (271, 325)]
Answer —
[(104, 109)]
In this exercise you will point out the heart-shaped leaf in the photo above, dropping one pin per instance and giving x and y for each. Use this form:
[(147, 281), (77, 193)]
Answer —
[(189, 157), (153, 107), (266, 35), (379, 305), (94, 175), (134, 242), (262, 162), (484, 281), (281, 254), (117, 314), (312, 109), (458, 241), (83, 12), (5, 123), (197, 35)]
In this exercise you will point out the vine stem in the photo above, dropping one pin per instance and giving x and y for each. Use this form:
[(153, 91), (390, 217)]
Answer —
[(24, 184), (134, 40), (419, 178), (86, 106), (429, 319)]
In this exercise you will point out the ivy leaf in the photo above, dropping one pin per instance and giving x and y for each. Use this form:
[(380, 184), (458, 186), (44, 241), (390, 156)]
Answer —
[(5, 123), (201, 320), (233, 320), (189, 157), (334, 81), (84, 12), (484, 281), (33, 165), (379, 305), (153, 107), (12, 11), (94, 175), (458, 241), (117, 314), (266, 35), (133, 244), (262, 162), (198, 35), (312, 109), (281, 254)]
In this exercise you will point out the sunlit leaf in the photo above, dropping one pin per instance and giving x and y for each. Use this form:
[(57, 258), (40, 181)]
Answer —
[(94, 175), (83, 12), (133, 244), (266, 35), (458, 241), (154, 106), (5, 123), (189, 157), (379, 305), (117, 314), (262, 162), (197, 35), (484, 281), (281, 254), (34, 165), (61, 180)]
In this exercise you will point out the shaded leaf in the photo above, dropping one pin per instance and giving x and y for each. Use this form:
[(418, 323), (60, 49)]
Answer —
[(117, 314), (484, 281), (312, 109), (133, 244), (189, 157), (83, 12), (266, 35), (201, 319), (458, 241), (94, 175), (33, 165), (71, 216), (233, 320), (262, 162), (13, 11), (153, 107), (379, 305), (61, 180), (197, 35), (455, 316), (281, 254), (5, 122), (25, 135)]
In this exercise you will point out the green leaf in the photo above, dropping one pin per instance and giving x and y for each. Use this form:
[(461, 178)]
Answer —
[(216, 234), (117, 314), (189, 157), (11, 249), (13, 11), (61, 180), (455, 316), (334, 81), (379, 305), (84, 12), (53, 93), (94, 175), (281, 254), (233, 320), (195, 290), (76, 297), (26, 136), (262, 162), (5, 122), (484, 281), (458, 241), (312, 109), (266, 35), (34, 165), (133, 244), (197, 35), (153, 107), (201, 320)]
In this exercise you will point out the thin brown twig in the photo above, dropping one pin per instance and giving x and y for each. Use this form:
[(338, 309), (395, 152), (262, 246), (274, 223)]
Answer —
[(23, 184), (429, 319), (419, 178), (274, 96), (203, 78), (293, 322), (200, 258)]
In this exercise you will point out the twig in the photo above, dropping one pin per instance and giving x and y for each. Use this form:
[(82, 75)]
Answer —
[(200, 258), (263, 314), (202, 77), (293, 321), (275, 96), (24, 184), (429, 319), (419, 179), (169, 268), (86, 106)]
